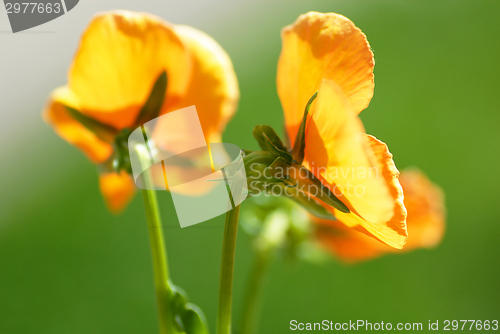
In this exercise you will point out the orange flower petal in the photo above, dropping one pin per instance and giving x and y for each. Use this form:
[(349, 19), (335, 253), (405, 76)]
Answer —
[(426, 223), (338, 153), (72, 131), (426, 212), (213, 87), (393, 231), (348, 244), (117, 190), (120, 56), (319, 46)]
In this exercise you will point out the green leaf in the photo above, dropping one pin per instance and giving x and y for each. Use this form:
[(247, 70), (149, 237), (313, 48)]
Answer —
[(190, 319), (104, 132), (194, 320), (151, 109), (300, 141)]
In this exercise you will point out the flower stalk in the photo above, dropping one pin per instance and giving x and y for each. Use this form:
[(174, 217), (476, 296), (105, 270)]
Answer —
[(160, 262), (277, 227), (227, 271), (253, 294), (159, 257), (158, 253)]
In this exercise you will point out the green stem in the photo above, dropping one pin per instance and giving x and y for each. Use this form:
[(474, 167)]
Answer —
[(253, 295), (159, 255), (226, 271)]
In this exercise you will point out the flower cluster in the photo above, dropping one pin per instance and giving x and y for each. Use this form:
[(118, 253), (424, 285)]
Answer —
[(129, 63), (133, 67)]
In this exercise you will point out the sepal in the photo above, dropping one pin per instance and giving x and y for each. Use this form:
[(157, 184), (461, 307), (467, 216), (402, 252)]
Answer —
[(300, 140), (256, 165), (275, 166), (300, 178), (269, 141), (151, 109), (104, 132)]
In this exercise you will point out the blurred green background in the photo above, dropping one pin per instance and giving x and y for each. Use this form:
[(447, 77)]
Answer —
[(69, 266)]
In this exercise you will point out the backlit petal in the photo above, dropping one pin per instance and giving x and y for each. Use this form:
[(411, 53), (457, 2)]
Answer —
[(120, 56), (338, 152), (213, 87), (117, 190), (72, 131), (319, 46), (392, 232), (425, 223)]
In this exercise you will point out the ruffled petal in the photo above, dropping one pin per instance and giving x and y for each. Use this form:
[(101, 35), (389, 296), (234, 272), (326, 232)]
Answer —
[(213, 87), (424, 202), (120, 56), (338, 152), (393, 231), (117, 189), (319, 46), (72, 131)]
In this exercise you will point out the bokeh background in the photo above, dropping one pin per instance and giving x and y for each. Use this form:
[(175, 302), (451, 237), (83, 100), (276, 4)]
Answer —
[(69, 266)]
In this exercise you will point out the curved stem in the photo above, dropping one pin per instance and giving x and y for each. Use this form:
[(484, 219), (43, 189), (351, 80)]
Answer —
[(226, 271), (253, 294), (159, 257)]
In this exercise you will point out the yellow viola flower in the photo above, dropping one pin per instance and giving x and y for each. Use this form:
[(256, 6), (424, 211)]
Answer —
[(118, 61), (328, 54), (426, 223)]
